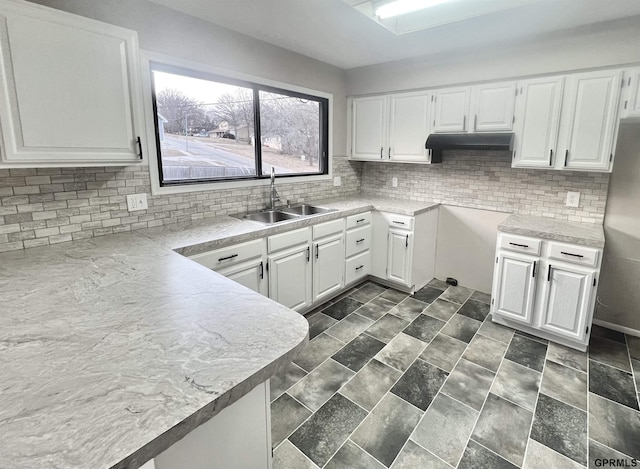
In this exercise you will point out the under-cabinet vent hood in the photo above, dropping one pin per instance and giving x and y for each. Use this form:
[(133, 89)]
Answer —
[(439, 142)]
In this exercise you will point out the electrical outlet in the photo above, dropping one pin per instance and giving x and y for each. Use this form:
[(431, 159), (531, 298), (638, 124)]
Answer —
[(137, 202), (573, 199), (394, 182), (337, 181)]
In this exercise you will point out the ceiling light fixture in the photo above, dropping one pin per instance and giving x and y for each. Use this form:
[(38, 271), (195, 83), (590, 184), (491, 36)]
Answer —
[(400, 7)]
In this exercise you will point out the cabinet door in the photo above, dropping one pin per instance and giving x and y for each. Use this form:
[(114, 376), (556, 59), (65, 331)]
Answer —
[(328, 267), (70, 89), (251, 274), (290, 277), (451, 107), (537, 119), (400, 246), (515, 287), (631, 106), (368, 127), (493, 107), (591, 113), (408, 127), (567, 301)]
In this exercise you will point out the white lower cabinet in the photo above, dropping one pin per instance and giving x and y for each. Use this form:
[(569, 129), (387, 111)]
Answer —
[(546, 288), (358, 247), (244, 263), (328, 259), (395, 240), (289, 267)]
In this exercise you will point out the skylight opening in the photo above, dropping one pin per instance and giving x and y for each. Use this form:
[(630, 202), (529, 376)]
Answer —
[(400, 7)]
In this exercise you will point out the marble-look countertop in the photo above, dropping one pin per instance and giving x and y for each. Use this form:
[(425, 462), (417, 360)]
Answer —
[(114, 348), (199, 236), (585, 234)]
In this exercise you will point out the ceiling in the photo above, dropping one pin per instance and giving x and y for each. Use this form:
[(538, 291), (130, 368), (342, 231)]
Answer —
[(334, 32)]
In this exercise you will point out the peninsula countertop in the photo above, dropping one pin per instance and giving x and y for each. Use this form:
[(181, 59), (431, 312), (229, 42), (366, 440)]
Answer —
[(115, 347)]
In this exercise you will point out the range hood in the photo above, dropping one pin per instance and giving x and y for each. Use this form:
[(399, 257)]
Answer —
[(439, 142)]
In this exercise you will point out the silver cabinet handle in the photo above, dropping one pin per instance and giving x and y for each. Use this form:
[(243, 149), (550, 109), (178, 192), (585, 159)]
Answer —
[(398, 222)]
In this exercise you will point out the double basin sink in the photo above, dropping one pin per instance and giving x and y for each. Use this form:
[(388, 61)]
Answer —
[(283, 214)]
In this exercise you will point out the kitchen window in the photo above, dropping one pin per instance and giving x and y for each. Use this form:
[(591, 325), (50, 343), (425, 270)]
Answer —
[(216, 129)]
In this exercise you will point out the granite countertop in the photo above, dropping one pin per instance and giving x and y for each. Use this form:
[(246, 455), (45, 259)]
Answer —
[(585, 234), (199, 236), (114, 348)]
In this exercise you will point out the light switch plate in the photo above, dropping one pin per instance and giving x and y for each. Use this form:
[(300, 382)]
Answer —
[(394, 182), (573, 199), (137, 202), (337, 181)]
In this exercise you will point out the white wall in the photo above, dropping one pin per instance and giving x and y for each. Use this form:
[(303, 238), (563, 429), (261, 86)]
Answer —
[(611, 44), (466, 245)]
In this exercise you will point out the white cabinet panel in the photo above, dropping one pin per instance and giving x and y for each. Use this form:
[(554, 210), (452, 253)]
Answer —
[(70, 91), (537, 119), (368, 127), (408, 126), (399, 256), (515, 285), (591, 106), (290, 277), (328, 267), (493, 107), (251, 274), (450, 108), (357, 267), (631, 105), (358, 240), (567, 301)]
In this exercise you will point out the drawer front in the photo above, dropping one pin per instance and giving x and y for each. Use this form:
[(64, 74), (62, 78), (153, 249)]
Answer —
[(288, 239), (357, 267), (230, 255), (403, 222), (574, 254), (328, 228), (358, 240), (361, 219), (520, 244)]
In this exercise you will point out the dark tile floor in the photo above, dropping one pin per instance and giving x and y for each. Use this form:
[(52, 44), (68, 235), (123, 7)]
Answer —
[(426, 381)]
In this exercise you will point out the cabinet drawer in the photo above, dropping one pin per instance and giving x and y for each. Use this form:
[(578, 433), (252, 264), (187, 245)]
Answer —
[(358, 240), (520, 244), (357, 267), (328, 228), (574, 254), (230, 255), (288, 239), (358, 220), (403, 222)]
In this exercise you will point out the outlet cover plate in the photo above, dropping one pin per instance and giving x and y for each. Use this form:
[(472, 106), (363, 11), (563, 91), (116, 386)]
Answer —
[(573, 199), (137, 202), (337, 181), (394, 182)]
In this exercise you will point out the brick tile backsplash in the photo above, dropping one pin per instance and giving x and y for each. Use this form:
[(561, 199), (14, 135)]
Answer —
[(55, 205), (485, 180)]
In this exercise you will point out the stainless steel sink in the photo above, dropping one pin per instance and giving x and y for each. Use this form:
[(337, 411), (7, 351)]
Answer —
[(306, 210), (269, 216)]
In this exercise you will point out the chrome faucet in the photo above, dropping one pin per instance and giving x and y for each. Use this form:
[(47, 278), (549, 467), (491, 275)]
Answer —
[(274, 196)]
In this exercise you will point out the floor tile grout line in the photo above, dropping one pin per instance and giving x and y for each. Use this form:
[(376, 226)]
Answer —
[(617, 403), (633, 373), (422, 447), (361, 448), (271, 401), (535, 408), (612, 366), (492, 451)]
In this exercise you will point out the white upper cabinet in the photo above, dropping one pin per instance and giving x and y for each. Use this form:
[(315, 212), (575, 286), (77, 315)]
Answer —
[(391, 127), (537, 117), (408, 126), (70, 89), (451, 106), (631, 104), (368, 127), (492, 107), (589, 120)]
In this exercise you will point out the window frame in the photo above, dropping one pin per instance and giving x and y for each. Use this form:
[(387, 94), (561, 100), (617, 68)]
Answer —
[(154, 61)]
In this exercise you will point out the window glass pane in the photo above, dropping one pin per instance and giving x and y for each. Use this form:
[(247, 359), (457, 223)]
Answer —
[(205, 128), (289, 133)]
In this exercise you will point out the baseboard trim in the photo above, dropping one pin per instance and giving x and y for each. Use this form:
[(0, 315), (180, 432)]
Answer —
[(616, 327)]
